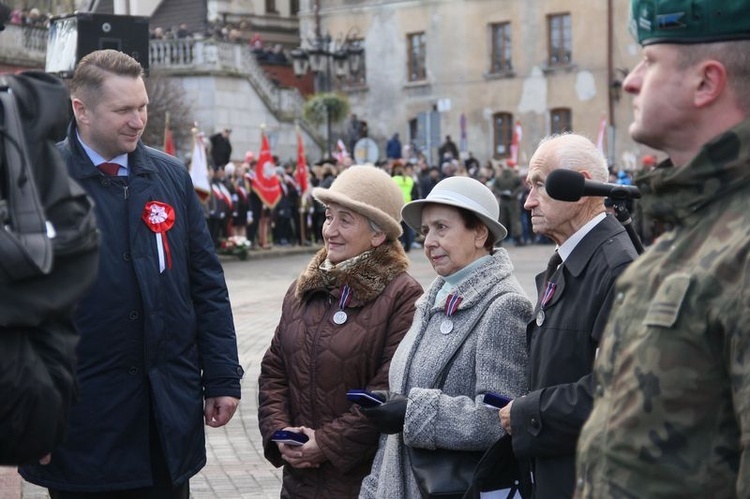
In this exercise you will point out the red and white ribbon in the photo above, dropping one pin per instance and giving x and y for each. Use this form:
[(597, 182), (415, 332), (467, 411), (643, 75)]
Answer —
[(159, 217), (451, 304)]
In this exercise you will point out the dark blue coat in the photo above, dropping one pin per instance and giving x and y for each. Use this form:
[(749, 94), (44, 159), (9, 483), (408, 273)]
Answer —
[(150, 341)]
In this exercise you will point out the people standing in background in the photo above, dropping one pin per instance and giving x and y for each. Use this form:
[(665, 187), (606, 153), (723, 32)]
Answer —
[(220, 207), (393, 148), (574, 297), (350, 308), (428, 180), (240, 188), (448, 150), (406, 185), (157, 358), (221, 148), (507, 186)]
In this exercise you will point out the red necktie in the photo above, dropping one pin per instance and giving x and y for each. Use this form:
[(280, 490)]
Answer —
[(109, 169)]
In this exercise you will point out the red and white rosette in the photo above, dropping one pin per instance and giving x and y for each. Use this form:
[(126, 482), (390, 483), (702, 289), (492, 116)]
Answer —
[(159, 217)]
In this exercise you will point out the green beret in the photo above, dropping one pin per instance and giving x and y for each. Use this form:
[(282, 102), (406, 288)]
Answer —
[(690, 21)]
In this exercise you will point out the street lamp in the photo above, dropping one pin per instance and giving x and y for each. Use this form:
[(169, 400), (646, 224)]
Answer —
[(343, 56)]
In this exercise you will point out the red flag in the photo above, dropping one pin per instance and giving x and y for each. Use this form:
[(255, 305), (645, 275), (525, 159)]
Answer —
[(515, 143), (300, 174), (168, 138), (199, 167), (169, 142), (600, 135), (266, 183)]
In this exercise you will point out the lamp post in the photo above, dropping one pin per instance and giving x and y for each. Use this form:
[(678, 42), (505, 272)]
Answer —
[(323, 54)]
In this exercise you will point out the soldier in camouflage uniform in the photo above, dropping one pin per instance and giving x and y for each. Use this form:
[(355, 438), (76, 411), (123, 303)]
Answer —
[(671, 413)]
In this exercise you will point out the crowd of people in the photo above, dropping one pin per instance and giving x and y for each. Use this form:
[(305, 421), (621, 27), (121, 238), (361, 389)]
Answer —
[(628, 376), (236, 210), (221, 31)]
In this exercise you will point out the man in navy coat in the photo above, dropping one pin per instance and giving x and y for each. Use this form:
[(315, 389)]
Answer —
[(574, 299), (158, 352)]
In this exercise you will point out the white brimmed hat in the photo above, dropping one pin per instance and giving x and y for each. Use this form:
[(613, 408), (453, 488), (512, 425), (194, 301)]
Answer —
[(370, 192), (460, 192)]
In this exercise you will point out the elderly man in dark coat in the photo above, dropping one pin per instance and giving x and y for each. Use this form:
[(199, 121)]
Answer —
[(575, 296)]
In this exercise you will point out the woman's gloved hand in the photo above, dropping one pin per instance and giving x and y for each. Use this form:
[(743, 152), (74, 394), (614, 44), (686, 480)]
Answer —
[(389, 416)]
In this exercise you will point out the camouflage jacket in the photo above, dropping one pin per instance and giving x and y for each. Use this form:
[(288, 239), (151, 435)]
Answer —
[(671, 414)]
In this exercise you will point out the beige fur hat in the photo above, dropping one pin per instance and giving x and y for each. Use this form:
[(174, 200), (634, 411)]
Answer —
[(369, 191)]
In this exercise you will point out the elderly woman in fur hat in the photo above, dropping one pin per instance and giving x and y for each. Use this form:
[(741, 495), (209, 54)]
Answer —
[(468, 338), (341, 322)]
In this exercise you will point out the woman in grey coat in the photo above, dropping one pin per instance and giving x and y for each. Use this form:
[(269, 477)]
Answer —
[(475, 309)]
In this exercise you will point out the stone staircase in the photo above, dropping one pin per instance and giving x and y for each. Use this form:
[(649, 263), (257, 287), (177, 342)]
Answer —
[(195, 56)]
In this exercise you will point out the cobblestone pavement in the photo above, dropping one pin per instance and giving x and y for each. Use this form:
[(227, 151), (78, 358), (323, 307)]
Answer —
[(236, 467)]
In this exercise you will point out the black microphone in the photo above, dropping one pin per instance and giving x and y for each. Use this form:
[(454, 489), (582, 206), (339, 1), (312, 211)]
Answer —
[(570, 185)]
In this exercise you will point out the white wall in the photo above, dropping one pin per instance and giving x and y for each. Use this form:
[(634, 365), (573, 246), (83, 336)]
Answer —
[(230, 102)]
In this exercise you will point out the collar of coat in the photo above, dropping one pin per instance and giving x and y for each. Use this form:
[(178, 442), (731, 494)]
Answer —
[(678, 195), (367, 278)]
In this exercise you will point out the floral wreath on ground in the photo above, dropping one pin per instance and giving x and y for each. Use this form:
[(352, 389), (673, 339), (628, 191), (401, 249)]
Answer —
[(235, 245)]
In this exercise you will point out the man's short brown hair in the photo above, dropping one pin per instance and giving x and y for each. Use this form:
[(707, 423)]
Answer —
[(93, 68)]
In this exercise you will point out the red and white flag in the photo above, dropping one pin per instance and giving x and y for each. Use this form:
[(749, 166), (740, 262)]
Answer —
[(515, 143), (341, 153), (300, 174), (199, 167), (601, 134), (266, 183)]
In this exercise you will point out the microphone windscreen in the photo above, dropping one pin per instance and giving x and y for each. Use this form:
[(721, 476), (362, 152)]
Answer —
[(565, 185)]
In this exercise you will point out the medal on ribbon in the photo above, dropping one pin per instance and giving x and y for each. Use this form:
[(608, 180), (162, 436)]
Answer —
[(159, 217), (549, 292), (346, 296), (451, 305)]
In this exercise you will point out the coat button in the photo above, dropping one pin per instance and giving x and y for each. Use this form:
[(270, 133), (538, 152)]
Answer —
[(133, 315), (126, 256), (133, 370), (599, 390), (105, 182), (534, 423)]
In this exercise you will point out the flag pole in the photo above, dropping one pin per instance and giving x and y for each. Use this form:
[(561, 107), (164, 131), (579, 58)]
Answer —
[(301, 209)]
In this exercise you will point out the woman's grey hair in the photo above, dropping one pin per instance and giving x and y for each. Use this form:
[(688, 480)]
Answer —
[(375, 227)]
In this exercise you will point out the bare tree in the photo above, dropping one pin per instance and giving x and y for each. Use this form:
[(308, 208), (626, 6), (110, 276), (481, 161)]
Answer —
[(166, 95)]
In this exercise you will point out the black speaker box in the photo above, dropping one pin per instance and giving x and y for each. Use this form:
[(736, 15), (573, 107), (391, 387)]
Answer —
[(73, 36)]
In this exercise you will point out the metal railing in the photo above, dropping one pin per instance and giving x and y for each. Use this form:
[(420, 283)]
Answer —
[(201, 56), (27, 46), (24, 45)]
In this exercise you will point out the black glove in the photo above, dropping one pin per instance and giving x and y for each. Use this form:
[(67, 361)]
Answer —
[(389, 416)]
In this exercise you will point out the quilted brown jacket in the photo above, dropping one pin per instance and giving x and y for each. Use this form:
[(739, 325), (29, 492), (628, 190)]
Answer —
[(312, 362)]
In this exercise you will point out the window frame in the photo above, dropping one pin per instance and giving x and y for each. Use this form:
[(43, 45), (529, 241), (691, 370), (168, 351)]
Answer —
[(501, 63), (559, 39), (502, 135), (421, 56), (566, 118)]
